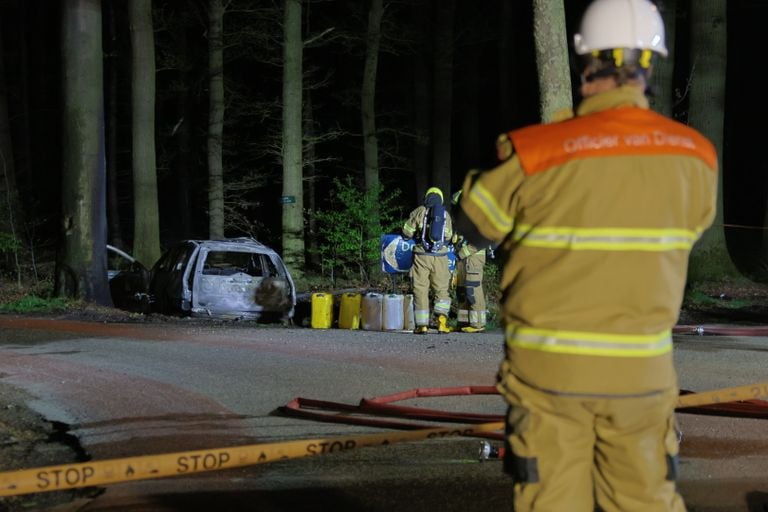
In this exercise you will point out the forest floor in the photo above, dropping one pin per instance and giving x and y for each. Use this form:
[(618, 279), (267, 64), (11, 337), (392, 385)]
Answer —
[(27, 440)]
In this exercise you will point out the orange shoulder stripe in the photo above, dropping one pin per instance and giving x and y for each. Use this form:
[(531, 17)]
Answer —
[(615, 132)]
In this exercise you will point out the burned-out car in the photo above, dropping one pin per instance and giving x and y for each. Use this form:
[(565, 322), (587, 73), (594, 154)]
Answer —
[(128, 281), (231, 278)]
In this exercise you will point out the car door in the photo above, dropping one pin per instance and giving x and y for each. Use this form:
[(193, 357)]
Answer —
[(168, 287)]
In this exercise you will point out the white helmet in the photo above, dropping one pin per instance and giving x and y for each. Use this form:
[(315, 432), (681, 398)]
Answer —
[(609, 24)]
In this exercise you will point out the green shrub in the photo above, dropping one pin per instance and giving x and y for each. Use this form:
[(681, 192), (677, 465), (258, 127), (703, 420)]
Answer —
[(348, 237), (491, 284), (35, 304), (699, 299), (9, 243)]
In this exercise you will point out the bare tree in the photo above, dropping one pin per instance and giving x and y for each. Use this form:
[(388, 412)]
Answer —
[(710, 258), (215, 119), (81, 269), (552, 58), (146, 222), (368, 106), (293, 197)]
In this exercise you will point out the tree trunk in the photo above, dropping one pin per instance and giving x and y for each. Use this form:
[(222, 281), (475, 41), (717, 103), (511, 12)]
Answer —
[(215, 119), (81, 270), (372, 230), (368, 108), (662, 77), (710, 259), (552, 58), (310, 171), (443, 95), (146, 225), (293, 199)]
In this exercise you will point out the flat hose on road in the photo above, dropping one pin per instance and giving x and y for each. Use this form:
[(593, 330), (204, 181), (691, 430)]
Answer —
[(369, 412), (739, 402)]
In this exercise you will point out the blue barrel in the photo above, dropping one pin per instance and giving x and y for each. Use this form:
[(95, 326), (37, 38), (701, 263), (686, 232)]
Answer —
[(396, 254)]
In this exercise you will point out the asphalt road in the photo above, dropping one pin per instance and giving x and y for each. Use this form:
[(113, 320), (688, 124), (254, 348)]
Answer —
[(138, 389)]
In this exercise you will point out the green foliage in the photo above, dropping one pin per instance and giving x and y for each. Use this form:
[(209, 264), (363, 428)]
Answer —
[(492, 290), (9, 243), (699, 299), (710, 261), (726, 293), (35, 304), (348, 234)]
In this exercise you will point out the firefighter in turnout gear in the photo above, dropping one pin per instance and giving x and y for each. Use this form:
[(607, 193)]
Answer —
[(431, 227), (470, 264), (596, 217)]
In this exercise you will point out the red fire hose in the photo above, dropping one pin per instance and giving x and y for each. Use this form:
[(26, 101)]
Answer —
[(370, 411)]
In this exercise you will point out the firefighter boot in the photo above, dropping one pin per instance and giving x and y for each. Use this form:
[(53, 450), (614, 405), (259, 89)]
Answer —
[(421, 329), (469, 328), (442, 325)]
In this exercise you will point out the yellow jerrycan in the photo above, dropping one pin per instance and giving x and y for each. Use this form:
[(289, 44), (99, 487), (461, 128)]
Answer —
[(349, 311), (322, 310)]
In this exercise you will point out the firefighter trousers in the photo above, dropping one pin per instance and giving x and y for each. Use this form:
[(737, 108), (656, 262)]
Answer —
[(469, 290), (565, 452), (430, 273)]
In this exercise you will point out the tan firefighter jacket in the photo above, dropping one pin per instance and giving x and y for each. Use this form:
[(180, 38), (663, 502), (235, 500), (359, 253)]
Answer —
[(597, 216), (415, 224)]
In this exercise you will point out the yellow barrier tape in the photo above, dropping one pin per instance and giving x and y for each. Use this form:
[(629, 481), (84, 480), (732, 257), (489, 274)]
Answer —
[(71, 476), (719, 396)]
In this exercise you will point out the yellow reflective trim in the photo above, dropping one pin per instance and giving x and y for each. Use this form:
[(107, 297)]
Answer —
[(483, 199), (408, 230), (597, 337), (618, 57), (584, 351), (607, 239), (608, 246), (645, 59), (590, 343), (613, 232)]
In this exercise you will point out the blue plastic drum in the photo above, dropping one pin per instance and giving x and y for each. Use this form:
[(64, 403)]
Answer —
[(396, 254)]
